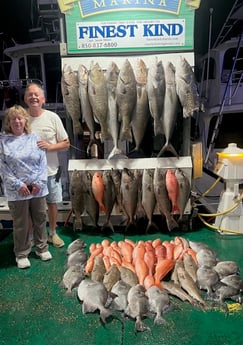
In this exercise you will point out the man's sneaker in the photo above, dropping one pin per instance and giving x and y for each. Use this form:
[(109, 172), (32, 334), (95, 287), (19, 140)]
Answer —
[(23, 262), (44, 256), (56, 240)]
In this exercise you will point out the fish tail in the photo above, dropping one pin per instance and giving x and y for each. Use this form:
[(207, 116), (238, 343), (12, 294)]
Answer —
[(126, 134), (130, 225), (90, 144), (102, 207), (77, 129), (158, 284), (158, 320), (168, 147), (181, 217), (78, 225), (140, 326), (158, 128), (150, 226), (116, 152), (104, 135), (68, 293), (171, 223), (137, 152), (109, 225), (175, 209), (104, 314)]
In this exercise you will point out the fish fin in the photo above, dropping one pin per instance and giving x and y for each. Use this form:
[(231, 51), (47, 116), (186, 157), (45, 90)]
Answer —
[(110, 299), (168, 147), (190, 113)]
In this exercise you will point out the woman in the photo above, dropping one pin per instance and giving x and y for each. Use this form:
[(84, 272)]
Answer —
[(23, 169)]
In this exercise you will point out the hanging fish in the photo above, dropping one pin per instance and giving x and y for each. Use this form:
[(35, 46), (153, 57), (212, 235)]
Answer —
[(91, 205), (186, 87), (98, 97), (111, 76), (170, 111), (156, 93), (87, 113), (129, 195), (148, 196), (69, 87), (109, 198), (77, 198), (162, 198), (140, 115), (172, 187), (184, 190), (98, 189), (126, 99)]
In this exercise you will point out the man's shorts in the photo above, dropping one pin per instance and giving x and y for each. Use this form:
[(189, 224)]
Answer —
[(54, 189)]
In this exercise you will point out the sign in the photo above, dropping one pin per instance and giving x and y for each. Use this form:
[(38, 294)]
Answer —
[(109, 26)]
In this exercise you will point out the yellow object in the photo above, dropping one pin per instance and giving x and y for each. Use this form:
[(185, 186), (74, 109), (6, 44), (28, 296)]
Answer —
[(229, 155), (65, 5), (193, 3), (217, 228), (234, 307), (197, 160)]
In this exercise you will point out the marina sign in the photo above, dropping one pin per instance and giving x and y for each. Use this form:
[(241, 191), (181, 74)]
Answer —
[(110, 26)]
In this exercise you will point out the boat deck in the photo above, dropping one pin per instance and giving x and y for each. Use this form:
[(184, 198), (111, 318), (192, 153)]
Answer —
[(34, 310)]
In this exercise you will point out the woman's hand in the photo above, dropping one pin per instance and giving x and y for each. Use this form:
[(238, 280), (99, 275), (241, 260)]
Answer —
[(35, 189), (24, 190)]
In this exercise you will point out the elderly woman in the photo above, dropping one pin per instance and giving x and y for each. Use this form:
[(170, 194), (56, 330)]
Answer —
[(23, 169)]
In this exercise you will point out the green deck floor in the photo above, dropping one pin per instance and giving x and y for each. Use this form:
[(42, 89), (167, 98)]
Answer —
[(34, 310)]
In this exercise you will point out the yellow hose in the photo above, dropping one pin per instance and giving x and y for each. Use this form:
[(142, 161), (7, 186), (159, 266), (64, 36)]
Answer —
[(219, 229), (200, 215), (209, 189), (223, 212)]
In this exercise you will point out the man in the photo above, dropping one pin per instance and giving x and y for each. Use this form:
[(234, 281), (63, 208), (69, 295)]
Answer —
[(49, 127)]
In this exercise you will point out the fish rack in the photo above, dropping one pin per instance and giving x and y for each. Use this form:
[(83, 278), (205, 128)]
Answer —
[(92, 165)]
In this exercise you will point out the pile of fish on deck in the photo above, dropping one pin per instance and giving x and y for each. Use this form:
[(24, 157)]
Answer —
[(139, 278), (136, 193), (123, 101)]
